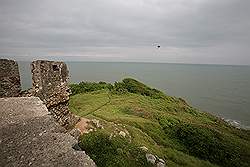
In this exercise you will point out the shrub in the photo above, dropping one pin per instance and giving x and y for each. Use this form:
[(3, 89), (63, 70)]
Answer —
[(168, 122), (134, 86), (208, 144), (127, 85), (84, 87), (115, 151), (119, 88)]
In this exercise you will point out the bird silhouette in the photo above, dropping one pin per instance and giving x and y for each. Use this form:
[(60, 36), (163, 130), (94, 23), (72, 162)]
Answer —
[(157, 45)]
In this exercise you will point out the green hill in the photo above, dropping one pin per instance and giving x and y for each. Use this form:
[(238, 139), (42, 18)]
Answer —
[(171, 129)]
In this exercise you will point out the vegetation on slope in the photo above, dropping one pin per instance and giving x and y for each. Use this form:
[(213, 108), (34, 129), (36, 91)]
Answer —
[(84, 87), (115, 151), (167, 126)]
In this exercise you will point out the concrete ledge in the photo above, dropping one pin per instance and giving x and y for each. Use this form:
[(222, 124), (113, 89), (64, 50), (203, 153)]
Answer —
[(30, 137)]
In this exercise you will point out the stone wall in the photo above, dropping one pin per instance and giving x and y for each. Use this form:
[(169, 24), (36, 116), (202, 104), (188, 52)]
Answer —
[(50, 84), (29, 136), (10, 85)]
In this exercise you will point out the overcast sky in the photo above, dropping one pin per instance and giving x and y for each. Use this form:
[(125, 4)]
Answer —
[(189, 31)]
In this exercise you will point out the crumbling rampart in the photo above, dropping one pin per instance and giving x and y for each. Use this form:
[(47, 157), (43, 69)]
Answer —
[(29, 136), (49, 83), (10, 85)]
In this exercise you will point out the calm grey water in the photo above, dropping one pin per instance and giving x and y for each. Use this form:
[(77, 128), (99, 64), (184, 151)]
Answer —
[(221, 90)]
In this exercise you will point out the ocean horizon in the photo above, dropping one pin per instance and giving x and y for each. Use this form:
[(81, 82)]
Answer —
[(222, 90)]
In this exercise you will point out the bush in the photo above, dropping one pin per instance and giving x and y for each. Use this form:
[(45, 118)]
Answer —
[(168, 122), (208, 144), (134, 86), (84, 87), (119, 88), (127, 85), (115, 151)]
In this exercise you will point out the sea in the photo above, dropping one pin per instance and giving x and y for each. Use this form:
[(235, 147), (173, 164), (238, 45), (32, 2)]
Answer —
[(222, 90)]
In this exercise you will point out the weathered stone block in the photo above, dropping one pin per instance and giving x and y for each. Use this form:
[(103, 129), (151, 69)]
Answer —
[(10, 85), (50, 81), (50, 84)]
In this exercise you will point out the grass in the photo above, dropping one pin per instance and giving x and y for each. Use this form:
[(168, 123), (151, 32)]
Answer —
[(167, 126), (115, 151)]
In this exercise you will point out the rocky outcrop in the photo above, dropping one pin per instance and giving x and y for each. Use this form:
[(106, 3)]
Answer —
[(50, 84), (153, 159), (30, 137), (10, 85)]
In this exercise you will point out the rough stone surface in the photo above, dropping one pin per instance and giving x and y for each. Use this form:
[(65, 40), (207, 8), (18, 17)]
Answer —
[(75, 132), (151, 158), (160, 164), (10, 85), (30, 137), (50, 84), (96, 123), (161, 160), (123, 134), (144, 148)]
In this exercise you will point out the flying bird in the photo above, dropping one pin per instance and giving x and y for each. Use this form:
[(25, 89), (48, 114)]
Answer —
[(157, 45)]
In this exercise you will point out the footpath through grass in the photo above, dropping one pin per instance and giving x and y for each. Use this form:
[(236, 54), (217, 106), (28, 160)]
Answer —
[(167, 126)]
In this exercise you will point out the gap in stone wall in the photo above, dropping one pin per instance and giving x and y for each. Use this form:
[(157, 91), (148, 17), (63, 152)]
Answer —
[(25, 74)]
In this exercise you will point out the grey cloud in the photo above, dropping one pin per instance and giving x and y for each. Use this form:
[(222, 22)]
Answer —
[(125, 30)]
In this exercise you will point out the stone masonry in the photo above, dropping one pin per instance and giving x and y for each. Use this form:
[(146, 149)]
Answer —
[(50, 84), (29, 136), (10, 85)]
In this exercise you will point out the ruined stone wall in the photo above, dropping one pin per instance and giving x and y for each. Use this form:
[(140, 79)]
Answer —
[(10, 85), (50, 84)]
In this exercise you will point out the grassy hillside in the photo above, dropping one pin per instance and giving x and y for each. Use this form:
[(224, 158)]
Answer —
[(167, 126)]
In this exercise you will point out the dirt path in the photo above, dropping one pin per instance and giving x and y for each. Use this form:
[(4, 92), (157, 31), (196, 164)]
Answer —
[(109, 100)]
